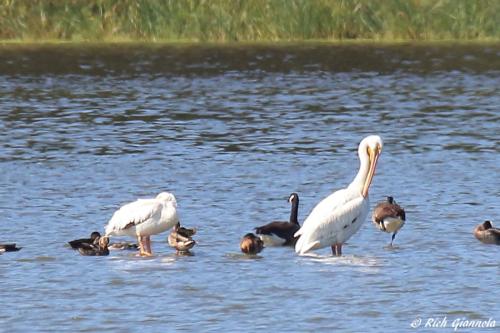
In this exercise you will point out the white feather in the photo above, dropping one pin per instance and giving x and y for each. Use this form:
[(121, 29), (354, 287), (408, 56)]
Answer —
[(331, 221), (144, 217), (272, 240), (392, 224), (340, 215)]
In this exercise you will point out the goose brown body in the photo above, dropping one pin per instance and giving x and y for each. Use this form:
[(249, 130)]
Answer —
[(389, 217)]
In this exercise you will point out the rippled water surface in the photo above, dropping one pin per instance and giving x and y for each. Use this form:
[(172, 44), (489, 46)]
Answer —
[(232, 131)]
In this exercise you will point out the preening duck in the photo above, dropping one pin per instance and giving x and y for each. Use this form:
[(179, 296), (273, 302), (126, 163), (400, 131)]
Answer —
[(388, 216), (279, 233), (251, 244), (180, 239), (99, 247), (340, 215), (143, 218), (486, 233)]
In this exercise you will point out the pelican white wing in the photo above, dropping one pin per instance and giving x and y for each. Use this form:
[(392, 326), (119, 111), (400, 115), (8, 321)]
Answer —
[(125, 219), (334, 220)]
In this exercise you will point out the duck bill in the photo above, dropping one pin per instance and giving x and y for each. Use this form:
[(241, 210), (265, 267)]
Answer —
[(373, 156)]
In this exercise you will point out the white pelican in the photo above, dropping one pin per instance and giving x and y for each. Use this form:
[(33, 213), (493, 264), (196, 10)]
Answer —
[(487, 234), (388, 216), (340, 215), (143, 218), (279, 233)]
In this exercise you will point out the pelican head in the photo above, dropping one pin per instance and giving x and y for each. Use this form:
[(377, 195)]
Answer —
[(370, 148), (166, 197), (293, 197)]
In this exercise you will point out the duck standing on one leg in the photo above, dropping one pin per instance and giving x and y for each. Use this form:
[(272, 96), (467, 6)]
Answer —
[(486, 233), (180, 239), (340, 215), (143, 218), (279, 233), (388, 216)]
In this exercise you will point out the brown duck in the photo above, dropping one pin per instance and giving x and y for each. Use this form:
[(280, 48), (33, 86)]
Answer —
[(180, 238), (487, 234), (99, 247), (251, 244), (75, 244)]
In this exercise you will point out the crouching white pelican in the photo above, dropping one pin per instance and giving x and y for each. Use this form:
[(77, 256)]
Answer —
[(143, 218), (340, 215)]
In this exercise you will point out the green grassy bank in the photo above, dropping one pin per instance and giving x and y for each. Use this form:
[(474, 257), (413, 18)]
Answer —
[(248, 20)]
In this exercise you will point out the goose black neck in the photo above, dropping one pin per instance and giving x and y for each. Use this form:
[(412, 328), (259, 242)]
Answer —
[(294, 212)]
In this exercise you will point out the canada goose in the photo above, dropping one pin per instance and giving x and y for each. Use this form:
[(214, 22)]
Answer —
[(279, 233), (388, 216)]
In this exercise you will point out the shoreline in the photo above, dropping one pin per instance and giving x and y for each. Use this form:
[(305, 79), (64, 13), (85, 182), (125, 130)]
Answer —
[(279, 43)]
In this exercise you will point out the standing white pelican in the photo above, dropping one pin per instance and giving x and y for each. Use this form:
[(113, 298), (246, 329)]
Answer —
[(340, 215), (143, 218)]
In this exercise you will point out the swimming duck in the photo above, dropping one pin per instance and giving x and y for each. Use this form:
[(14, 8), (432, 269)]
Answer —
[(279, 233), (180, 239), (9, 247), (76, 243), (251, 244), (99, 247), (143, 218), (487, 234), (388, 216)]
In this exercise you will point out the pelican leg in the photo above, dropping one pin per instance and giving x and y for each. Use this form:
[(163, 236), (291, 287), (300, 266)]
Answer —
[(141, 245), (337, 250), (148, 251)]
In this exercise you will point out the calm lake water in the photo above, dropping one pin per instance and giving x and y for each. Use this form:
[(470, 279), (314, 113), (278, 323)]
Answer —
[(232, 131)]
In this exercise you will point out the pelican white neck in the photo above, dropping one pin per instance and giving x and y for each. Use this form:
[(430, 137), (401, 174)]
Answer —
[(368, 151)]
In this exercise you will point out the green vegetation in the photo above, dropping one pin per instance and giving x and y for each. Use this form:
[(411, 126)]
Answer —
[(248, 20)]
